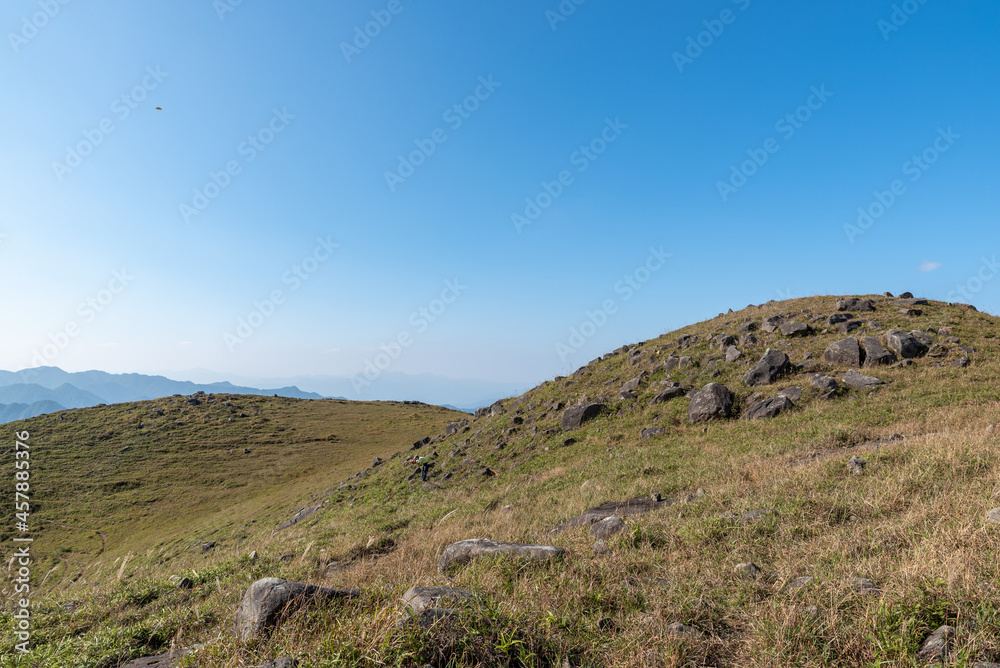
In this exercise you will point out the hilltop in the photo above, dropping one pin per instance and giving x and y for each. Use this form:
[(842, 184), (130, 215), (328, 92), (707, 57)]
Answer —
[(808, 482)]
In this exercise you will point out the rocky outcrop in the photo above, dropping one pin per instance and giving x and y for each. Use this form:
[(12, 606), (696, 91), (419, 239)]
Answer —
[(577, 415), (905, 344), (845, 352), (266, 601), (465, 551), (768, 408), (713, 402), (638, 506), (773, 365), (875, 354)]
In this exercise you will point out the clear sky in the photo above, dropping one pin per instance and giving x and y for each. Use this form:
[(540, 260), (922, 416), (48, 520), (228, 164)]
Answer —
[(475, 181)]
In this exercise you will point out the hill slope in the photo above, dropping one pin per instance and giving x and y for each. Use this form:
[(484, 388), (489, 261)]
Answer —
[(894, 547)]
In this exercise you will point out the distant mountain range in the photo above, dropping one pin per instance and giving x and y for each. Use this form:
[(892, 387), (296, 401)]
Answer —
[(32, 392)]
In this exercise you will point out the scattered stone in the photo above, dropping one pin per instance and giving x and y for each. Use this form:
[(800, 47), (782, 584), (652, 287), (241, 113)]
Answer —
[(794, 393), (651, 432), (747, 327), (798, 583), (794, 329), (298, 517), (451, 428), (633, 385), (748, 340), (246, 451), (733, 353), (865, 586), (722, 341), (205, 547), (465, 551), (686, 341), (638, 506), (855, 305), (607, 527), (904, 344), (824, 384), (875, 354), (845, 352), (961, 362), (768, 408), (771, 324), (748, 569), (859, 381), (683, 630), (600, 548), (418, 599), (993, 516), (267, 600), (856, 465), (671, 391), (752, 516), (712, 402), (935, 648), (849, 326), (577, 415), (905, 295), (838, 318), (773, 365)]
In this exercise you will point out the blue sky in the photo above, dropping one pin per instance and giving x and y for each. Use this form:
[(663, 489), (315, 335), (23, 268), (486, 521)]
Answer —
[(684, 158)]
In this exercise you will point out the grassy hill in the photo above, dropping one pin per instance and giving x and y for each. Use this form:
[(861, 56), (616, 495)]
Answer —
[(894, 552)]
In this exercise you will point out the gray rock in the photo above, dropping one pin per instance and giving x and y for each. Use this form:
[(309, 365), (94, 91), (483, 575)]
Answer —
[(752, 516), (865, 586), (905, 295), (669, 392), (418, 599), (922, 337), (855, 305), (935, 647), (651, 432), (600, 548), (722, 341), (798, 583), (875, 354), (845, 352), (838, 318), (859, 381), (794, 329), (638, 506), (671, 363), (824, 384), (733, 353), (683, 631), (768, 408), (714, 401), (771, 324), (687, 341), (748, 569), (904, 344), (993, 516), (849, 326), (607, 527), (266, 601), (748, 340), (633, 385), (465, 551), (794, 393), (451, 428), (772, 365), (856, 465), (747, 327), (577, 415), (298, 517)]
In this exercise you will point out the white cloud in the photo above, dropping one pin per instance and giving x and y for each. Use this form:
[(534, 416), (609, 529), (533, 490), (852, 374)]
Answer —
[(927, 265), (332, 350), (186, 343)]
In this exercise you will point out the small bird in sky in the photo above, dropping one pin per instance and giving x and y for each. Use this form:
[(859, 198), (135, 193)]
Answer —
[(159, 108)]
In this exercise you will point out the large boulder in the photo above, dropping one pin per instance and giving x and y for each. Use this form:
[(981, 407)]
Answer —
[(266, 601), (838, 318), (773, 365), (905, 344), (671, 391), (712, 402), (577, 415), (733, 353), (771, 324), (855, 305), (875, 354), (845, 352), (465, 551), (607, 527), (768, 408), (794, 329)]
